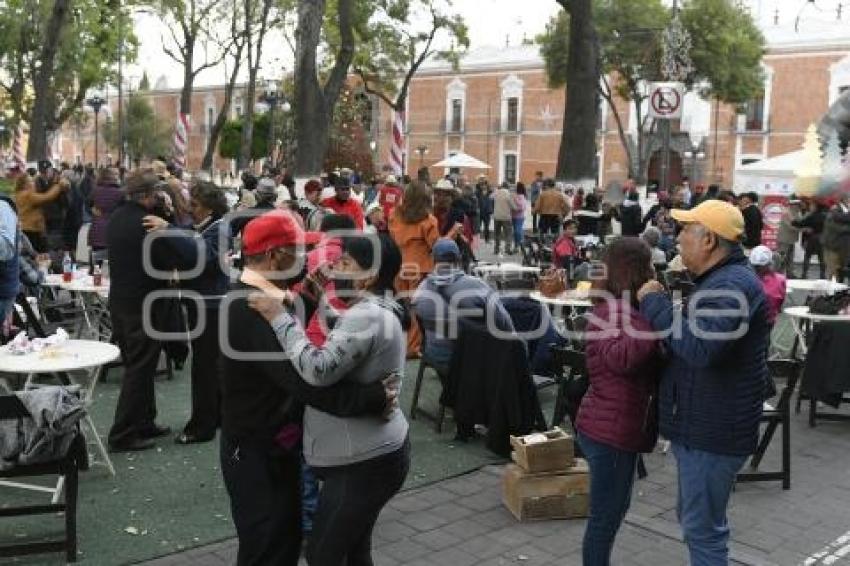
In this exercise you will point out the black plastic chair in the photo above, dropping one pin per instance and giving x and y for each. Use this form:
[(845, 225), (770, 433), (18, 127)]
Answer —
[(67, 468), (774, 417)]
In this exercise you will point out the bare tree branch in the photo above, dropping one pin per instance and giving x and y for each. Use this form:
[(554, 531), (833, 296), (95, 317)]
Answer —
[(370, 90)]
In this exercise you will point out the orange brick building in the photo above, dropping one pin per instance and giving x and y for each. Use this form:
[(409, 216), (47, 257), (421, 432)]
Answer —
[(76, 144), (498, 108)]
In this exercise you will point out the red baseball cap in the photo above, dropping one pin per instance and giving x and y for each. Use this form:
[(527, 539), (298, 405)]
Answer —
[(275, 229)]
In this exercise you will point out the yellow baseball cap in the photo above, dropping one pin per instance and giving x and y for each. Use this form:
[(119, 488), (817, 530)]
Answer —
[(720, 217)]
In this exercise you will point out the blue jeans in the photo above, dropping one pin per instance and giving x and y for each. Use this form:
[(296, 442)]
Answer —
[(518, 222), (612, 473), (309, 496), (705, 484)]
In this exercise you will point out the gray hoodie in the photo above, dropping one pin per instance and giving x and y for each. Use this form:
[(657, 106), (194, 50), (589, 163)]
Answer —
[(448, 293), (366, 344)]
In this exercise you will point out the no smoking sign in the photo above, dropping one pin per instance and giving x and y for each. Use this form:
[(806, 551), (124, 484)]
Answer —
[(665, 100)]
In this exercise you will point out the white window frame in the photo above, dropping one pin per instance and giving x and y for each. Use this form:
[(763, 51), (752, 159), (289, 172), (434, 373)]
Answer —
[(456, 90), (512, 87), (502, 170)]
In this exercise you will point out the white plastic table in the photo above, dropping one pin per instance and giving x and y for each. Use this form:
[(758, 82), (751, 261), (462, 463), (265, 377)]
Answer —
[(504, 269), (71, 355), (800, 315), (564, 300), (91, 297), (813, 286)]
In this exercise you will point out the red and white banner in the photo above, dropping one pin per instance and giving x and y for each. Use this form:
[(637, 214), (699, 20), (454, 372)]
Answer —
[(397, 149), (181, 140), (773, 207), (18, 148)]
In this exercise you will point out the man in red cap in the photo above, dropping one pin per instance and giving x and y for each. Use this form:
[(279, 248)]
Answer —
[(263, 399)]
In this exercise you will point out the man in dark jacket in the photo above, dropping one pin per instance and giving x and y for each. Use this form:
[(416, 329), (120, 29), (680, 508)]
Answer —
[(132, 280), (716, 377), (753, 221), (836, 239), (485, 207), (630, 215), (264, 397)]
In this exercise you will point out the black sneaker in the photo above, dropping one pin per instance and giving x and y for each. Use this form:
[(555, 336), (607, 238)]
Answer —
[(156, 431)]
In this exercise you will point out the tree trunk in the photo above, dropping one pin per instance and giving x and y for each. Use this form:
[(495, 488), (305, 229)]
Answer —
[(42, 83), (188, 78), (215, 131), (314, 105), (577, 154)]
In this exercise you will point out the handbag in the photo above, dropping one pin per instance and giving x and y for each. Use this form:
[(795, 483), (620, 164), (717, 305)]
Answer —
[(829, 304), (552, 282)]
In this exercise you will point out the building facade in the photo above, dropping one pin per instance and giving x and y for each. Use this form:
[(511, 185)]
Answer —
[(75, 142), (498, 108)]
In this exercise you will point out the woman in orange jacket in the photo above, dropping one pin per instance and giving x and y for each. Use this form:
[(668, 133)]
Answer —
[(415, 230), (30, 205)]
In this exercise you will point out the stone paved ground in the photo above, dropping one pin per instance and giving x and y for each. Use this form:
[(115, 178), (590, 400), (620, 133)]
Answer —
[(461, 521)]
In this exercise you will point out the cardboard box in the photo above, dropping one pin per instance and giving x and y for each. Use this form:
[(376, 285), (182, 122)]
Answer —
[(555, 454), (548, 495)]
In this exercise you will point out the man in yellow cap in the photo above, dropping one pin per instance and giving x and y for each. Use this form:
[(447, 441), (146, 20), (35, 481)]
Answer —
[(716, 379)]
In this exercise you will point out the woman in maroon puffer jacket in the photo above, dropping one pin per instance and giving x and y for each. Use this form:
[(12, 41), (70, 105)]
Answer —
[(617, 418)]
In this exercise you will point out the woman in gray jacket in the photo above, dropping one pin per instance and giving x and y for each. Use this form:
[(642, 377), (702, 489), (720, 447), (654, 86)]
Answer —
[(362, 461)]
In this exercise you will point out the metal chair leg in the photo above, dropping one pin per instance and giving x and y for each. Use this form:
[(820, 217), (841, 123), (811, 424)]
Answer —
[(417, 388)]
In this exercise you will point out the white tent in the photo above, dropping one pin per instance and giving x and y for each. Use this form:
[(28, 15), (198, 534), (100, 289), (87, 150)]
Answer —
[(462, 161), (772, 176)]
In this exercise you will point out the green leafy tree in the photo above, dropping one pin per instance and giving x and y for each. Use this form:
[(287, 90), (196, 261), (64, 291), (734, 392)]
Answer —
[(630, 40), (230, 146), (147, 135), (53, 52)]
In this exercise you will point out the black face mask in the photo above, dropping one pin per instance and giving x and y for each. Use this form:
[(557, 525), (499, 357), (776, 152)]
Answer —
[(298, 277)]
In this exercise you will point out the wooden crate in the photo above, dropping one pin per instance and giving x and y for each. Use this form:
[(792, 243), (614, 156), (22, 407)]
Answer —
[(548, 495), (556, 454)]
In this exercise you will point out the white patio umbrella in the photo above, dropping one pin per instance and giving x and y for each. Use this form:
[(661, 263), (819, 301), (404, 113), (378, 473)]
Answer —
[(462, 161)]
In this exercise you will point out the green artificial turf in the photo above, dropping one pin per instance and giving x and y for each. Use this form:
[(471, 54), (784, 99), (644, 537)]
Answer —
[(172, 498)]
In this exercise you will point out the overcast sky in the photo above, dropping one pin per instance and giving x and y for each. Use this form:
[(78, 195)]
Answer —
[(491, 22)]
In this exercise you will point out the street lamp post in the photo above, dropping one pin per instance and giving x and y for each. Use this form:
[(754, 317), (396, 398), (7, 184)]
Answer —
[(676, 66), (286, 107), (96, 102), (422, 151), (271, 96)]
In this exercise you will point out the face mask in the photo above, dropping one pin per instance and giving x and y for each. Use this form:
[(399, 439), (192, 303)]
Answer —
[(297, 278)]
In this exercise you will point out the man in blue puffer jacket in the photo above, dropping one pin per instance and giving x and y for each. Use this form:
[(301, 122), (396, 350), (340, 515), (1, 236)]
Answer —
[(715, 381)]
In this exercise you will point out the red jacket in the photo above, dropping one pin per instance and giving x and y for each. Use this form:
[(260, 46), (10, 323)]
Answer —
[(619, 407), (349, 208)]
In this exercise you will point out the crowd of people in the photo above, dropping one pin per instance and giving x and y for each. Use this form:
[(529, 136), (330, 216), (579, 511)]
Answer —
[(303, 308)]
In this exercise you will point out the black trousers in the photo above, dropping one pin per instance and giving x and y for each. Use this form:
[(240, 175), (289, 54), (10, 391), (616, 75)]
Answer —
[(549, 224), (264, 485), (485, 226), (136, 409), (349, 504), (206, 375)]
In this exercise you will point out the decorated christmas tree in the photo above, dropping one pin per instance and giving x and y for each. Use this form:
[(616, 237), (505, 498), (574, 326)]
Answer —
[(810, 169)]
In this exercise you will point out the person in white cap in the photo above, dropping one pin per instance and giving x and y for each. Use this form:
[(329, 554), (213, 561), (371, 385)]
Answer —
[(773, 283)]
